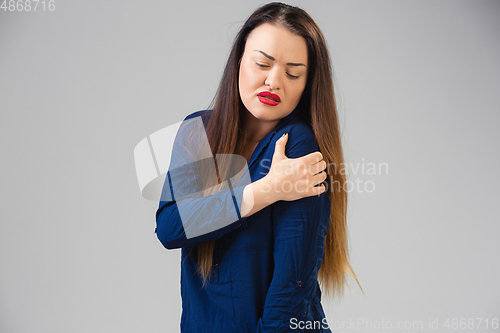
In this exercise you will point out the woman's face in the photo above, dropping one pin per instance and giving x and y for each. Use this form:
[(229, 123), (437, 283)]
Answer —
[(273, 72)]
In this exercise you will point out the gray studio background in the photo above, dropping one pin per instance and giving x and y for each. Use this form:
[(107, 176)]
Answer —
[(417, 85)]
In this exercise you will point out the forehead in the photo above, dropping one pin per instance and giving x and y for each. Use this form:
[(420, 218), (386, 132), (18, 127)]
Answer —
[(277, 41)]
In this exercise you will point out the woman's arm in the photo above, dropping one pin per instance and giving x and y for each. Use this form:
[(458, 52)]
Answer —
[(299, 230), (186, 217), (299, 237)]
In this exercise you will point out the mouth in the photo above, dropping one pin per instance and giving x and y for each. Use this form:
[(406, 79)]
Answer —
[(269, 98)]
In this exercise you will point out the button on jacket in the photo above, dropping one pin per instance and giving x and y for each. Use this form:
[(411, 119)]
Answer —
[(265, 265)]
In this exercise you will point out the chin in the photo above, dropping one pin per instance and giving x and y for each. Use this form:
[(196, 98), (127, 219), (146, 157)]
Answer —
[(266, 113)]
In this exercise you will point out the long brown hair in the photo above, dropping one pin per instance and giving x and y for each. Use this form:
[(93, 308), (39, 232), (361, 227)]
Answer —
[(224, 124)]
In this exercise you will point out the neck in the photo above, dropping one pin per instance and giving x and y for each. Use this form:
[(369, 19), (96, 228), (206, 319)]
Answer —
[(255, 129)]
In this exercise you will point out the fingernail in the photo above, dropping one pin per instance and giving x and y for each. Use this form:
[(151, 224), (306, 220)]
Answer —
[(284, 134)]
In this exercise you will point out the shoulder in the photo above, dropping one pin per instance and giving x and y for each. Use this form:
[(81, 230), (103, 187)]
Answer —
[(193, 126), (299, 128), (191, 138), (301, 138), (200, 113)]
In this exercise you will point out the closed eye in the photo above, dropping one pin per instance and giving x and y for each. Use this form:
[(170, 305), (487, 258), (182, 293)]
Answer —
[(266, 66)]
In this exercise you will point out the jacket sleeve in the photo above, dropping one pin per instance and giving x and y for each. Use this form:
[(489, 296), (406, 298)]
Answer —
[(299, 229), (186, 215)]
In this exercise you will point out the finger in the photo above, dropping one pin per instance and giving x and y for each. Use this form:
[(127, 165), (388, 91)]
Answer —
[(312, 158), (317, 167), (317, 190), (279, 151), (318, 178)]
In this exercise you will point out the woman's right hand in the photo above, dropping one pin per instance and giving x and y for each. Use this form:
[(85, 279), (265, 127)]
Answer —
[(295, 178)]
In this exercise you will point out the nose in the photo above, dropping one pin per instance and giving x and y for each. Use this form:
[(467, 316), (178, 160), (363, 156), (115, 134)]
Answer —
[(274, 79)]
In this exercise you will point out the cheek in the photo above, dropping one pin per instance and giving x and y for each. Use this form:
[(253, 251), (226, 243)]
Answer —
[(243, 77), (248, 81), (242, 82), (251, 73), (297, 93), (247, 74)]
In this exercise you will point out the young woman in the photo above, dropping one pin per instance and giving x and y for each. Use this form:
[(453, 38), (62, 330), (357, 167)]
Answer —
[(252, 253)]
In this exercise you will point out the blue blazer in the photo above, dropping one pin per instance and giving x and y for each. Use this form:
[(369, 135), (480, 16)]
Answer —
[(265, 266)]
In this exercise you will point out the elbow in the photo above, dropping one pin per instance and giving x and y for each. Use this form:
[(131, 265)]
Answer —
[(168, 242), (166, 230), (168, 237)]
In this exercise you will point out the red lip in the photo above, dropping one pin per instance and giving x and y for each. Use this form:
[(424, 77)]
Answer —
[(269, 98)]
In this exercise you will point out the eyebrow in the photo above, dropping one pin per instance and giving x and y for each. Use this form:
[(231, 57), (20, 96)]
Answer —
[(272, 58)]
